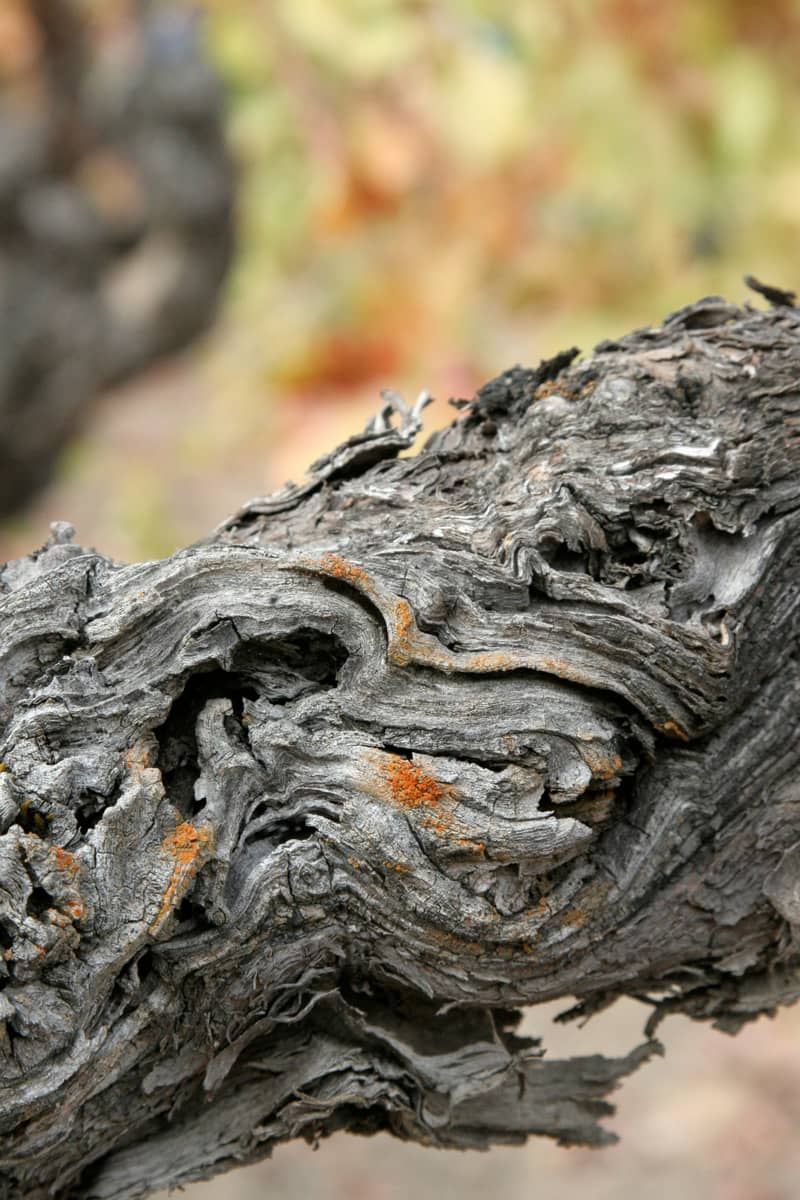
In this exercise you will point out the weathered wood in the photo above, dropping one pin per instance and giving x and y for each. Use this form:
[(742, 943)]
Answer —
[(294, 820)]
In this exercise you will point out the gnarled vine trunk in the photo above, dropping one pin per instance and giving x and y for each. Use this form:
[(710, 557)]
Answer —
[(294, 820)]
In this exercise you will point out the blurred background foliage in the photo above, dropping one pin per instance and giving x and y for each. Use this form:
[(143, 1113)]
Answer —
[(431, 190), (435, 186)]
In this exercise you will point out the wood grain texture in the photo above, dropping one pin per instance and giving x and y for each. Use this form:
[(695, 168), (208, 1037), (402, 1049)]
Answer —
[(295, 820)]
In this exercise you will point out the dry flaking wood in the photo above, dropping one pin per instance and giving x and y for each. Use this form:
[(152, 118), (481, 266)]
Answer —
[(294, 820)]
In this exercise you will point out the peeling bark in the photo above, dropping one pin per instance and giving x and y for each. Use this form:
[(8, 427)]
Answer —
[(296, 819)]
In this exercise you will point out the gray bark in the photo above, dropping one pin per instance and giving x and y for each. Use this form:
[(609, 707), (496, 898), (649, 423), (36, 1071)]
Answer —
[(294, 820)]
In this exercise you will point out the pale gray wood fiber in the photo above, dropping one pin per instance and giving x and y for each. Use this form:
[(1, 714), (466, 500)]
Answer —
[(295, 820)]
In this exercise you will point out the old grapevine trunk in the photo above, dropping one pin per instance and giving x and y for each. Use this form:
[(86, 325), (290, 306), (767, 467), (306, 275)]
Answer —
[(295, 819)]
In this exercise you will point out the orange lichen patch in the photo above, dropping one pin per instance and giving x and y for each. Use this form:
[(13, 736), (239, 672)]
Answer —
[(553, 664), (67, 862), (603, 768), (404, 639), (673, 730), (558, 666), (340, 568), (188, 847), (565, 670), (76, 909), (407, 643), (492, 660), (440, 824), (137, 758), (401, 868), (403, 620), (412, 788), (408, 784), (510, 660), (185, 843), (3, 767)]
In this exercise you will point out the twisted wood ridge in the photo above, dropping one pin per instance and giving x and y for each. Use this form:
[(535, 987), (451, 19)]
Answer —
[(295, 819)]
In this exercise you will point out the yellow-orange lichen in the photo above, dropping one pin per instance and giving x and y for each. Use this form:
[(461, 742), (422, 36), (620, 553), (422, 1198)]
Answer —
[(412, 788), (74, 908), (492, 660), (340, 568), (187, 847), (137, 757), (565, 670), (408, 784), (439, 824), (403, 619), (66, 862), (602, 768), (400, 868)]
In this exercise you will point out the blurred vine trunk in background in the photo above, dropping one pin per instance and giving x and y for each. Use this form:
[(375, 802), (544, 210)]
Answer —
[(295, 819), (116, 216)]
